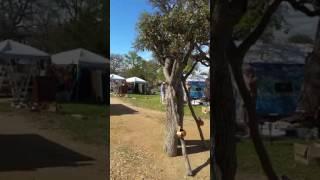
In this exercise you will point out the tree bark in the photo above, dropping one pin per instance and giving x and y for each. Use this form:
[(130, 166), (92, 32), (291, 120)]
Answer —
[(223, 103), (310, 99), (171, 140), (174, 113)]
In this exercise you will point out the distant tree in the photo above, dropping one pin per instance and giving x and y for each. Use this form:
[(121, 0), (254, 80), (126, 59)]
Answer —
[(117, 64), (135, 65), (300, 39), (133, 60), (16, 19)]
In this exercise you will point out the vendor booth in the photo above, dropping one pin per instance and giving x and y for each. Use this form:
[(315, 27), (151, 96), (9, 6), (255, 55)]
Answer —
[(81, 75), (21, 64), (137, 85), (115, 81), (197, 84)]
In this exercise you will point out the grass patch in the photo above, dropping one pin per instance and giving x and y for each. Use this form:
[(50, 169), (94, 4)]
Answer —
[(92, 128), (281, 153), (153, 102), (5, 107)]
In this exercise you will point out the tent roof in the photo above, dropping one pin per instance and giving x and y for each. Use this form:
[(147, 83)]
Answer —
[(135, 79), (116, 77), (197, 78), (79, 56), (13, 48), (281, 53)]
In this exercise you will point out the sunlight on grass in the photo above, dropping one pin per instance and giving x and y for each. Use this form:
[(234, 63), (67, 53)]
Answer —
[(92, 128), (282, 155), (153, 102)]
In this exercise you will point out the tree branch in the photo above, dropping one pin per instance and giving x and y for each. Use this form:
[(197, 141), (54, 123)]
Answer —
[(253, 123), (187, 55), (166, 68), (258, 31), (301, 7), (196, 119), (190, 71), (202, 53)]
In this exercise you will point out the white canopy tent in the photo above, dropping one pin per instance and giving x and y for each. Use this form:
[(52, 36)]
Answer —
[(116, 77), (87, 64), (142, 84), (13, 53), (115, 80), (196, 78), (80, 57), (135, 80)]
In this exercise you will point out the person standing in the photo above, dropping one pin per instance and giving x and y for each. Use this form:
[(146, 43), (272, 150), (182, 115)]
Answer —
[(125, 89), (251, 84), (163, 92)]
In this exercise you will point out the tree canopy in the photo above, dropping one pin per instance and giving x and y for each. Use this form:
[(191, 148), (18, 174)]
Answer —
[(56, 25), (176, 29)]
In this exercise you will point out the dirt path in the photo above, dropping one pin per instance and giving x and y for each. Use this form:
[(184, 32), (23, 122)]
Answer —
[(30, 151), (136, 146)]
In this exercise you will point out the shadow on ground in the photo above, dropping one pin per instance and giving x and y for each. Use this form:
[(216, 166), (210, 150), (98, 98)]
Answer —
[(199, 168), (28, 152), (119, 109), (194, 146)]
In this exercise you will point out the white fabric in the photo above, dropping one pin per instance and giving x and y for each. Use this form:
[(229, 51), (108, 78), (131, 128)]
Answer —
[(197, 78), (10, 47), (135, 80), (116, 77), (79, 56)]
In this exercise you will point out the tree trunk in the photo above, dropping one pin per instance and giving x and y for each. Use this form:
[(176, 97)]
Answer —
[(174, 113), (310, 99), (223, 104)]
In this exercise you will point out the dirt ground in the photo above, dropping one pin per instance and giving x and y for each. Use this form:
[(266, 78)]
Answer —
[(31, 151), (136, 140)]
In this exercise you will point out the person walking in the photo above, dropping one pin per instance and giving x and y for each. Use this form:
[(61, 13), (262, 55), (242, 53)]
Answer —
[(163, 92)]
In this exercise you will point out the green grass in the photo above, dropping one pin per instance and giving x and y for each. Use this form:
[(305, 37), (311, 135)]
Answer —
[(90, 129), (5, 107), (153, 102), (282, 156)]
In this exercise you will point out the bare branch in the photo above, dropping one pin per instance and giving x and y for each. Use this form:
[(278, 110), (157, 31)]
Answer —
[(190, 71), (300, 5), (258, 31)]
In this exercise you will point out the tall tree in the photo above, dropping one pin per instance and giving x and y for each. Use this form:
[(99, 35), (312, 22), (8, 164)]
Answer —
[(310, 99), (172, 33), (226, 17), (117, 64), (16, 17), (228, 58)]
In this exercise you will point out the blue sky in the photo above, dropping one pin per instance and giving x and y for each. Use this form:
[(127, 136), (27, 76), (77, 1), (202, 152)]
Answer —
[(124, 15)]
